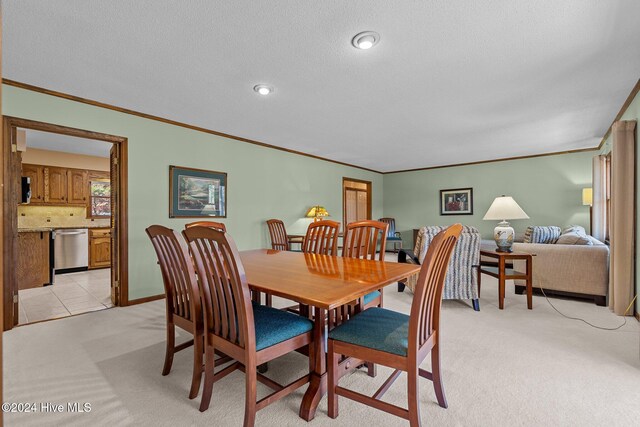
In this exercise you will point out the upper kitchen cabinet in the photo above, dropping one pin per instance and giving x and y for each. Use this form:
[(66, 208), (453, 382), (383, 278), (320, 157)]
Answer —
[(55, 185), (36, 174), (61, 186), (78, 186)]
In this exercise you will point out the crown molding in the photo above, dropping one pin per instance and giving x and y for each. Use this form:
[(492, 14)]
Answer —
[(169, 121), (626, 104), (99, 104)]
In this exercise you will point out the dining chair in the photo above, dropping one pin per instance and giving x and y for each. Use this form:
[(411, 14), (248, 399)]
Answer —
[(211, 224), (396, 340), (322, 238), (250, 333), (278, 233), (183, 306), (361, 240), (221, 227), (392, 234)]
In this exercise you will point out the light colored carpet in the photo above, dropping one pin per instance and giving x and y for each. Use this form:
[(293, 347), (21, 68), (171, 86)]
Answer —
[(509, 367)]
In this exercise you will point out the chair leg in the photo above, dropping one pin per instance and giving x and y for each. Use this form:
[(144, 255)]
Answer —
[(413, 395), (437, 375), (268, 300), (332, 374), (476, 304), (372, 371), (196, 377), (171, 343), (209, 367), (250, 396)]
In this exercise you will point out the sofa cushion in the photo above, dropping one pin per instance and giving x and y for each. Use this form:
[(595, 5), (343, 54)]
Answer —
[(574, 235), (573, 228), (542, 234)]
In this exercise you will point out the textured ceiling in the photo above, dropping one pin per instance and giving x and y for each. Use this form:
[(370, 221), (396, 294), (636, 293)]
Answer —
[(450, 81), (67, 144)]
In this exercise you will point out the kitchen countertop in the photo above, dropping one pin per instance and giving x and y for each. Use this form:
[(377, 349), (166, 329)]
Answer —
[(67, 227)]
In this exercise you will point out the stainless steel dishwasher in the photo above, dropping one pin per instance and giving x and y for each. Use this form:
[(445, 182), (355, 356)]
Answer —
[(71, 250)]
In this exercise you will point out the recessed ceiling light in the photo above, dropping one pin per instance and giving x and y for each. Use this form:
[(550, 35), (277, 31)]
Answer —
[(365, 40), (263, 89)]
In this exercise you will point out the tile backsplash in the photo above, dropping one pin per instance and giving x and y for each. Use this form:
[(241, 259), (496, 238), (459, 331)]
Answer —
[(56, 216)]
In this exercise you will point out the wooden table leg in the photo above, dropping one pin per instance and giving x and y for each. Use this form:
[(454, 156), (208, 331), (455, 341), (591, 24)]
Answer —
[(529, 283), (318, 385), (501, 280)]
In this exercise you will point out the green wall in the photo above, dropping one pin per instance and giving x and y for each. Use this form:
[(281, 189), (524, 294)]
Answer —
[(262, 183), (633, 113), (548, 188)]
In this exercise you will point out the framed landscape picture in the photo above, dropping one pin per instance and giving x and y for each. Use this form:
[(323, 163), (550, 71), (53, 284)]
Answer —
[(197, 193), (457, 201)]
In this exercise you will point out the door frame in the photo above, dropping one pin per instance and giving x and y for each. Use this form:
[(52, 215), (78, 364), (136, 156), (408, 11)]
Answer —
[(344, 197), (10, 223)]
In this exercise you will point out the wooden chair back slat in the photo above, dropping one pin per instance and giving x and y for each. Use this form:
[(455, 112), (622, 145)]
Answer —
[(425, 310), (223, 283), (178, 275), (211, 224), (322, 238), (278, 233), (362, 238)]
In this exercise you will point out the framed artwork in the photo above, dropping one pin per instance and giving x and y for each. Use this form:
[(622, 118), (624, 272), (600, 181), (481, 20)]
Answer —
[(458, 201), (197, 193)]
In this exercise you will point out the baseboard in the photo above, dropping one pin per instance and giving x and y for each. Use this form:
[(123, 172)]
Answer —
[(145, 299), (638, 317)]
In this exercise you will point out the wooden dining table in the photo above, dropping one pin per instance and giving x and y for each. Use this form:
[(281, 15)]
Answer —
[(324, 283)]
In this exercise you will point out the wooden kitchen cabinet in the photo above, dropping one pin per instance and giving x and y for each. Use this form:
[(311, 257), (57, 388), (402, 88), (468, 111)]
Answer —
[(60, 186), (55, 185), (99, 247), (78, 186), (33, 266), (36, 173)]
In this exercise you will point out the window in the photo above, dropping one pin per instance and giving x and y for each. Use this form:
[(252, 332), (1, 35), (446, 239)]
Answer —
[(100, 199)]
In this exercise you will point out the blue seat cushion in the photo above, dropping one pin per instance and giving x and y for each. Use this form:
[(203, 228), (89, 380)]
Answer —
[(371, 296), (376, 328), (394, 239), (274, 326)]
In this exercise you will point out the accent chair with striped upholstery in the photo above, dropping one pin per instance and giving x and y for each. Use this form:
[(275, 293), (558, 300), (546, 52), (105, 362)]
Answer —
[(461, 281)]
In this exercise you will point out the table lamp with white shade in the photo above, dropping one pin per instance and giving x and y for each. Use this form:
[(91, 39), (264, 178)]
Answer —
[(502, 209)]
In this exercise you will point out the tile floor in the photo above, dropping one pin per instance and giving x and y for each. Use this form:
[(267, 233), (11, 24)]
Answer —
[(72, 293)]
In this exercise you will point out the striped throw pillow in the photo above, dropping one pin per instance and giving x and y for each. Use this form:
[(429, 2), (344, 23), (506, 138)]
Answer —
[(542, 234)]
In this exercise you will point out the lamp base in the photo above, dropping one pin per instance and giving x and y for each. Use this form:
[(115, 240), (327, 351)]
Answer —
[(503, 236)]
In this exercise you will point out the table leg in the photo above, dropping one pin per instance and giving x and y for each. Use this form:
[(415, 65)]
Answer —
[(529, 283), (501, 280), (318, 385)]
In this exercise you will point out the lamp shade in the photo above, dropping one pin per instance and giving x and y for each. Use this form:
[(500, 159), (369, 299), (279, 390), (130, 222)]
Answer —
[(316, 212), (587, 196), (503, 208)]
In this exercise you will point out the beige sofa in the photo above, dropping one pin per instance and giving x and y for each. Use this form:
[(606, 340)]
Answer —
[(568, 269)]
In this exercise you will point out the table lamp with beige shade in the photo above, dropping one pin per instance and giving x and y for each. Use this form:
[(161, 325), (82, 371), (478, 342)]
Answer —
[(317, 213), (502, 209)]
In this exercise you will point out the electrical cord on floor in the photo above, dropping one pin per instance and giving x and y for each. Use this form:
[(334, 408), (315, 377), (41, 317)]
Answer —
[(591, 324)]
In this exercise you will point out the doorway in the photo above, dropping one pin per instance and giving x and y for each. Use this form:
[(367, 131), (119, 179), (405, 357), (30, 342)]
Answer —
[(65, 227), (356, 200)]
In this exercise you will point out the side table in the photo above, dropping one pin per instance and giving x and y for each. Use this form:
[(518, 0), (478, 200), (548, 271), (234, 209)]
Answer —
[(502, 273)]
